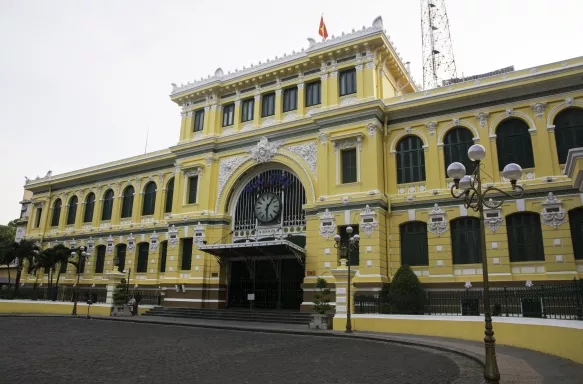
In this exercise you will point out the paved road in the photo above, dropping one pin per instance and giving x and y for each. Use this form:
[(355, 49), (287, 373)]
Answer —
[(66, 350)]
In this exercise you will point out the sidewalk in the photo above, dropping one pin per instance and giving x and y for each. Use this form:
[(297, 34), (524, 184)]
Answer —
[(516, 365)]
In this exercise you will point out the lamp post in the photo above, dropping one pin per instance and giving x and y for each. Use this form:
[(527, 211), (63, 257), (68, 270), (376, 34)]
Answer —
[(470, 189), (82, 256), (346, 249)]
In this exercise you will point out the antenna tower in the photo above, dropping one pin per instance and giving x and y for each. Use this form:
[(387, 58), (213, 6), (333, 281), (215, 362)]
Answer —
[(438, 61)]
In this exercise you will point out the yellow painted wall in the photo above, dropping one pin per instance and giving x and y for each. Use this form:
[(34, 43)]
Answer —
[(563, 340), (56, 308)]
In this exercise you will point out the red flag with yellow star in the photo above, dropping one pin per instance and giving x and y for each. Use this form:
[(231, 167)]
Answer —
[(322, 31)]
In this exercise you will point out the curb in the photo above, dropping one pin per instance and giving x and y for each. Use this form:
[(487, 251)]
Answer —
[(385, 339)]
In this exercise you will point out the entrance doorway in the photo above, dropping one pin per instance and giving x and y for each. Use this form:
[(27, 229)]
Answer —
[(275, 283)]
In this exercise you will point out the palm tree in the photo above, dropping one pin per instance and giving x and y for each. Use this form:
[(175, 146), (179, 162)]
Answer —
[(25, 250), (6, 258), (48, 260), (63, 256)]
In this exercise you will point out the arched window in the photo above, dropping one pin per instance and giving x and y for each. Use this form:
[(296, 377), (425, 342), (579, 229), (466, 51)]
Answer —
[(169, 195), (410, 160), (121, 257), (455, 147), (143, 249), (72, 213), (56, 213), (107, 205), (514, 144), (163, 255), (128, 202), (81, 265), (100, 259), (525, 238), (149, 199), (89, 206), (465, 240), (568, 131), (186, 261), (414, 250), (576, 223)]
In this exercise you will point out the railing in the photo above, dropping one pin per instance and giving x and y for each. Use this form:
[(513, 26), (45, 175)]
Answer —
[(61, 294), (559, 301)]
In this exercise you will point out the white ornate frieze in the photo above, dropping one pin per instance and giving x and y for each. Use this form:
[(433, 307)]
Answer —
[(327, 225), (368, 221), (373, 128), (268, 121), (437, 222), (198, 237), (355, 142), (323, 136), (109, 245), (431, 126), (553, 214), (307, 152), (131, 243), (349, 100), (154, 243), (493, 219), (539, 109), (73, 244), (172, 236), (90, 245), (482, 118), (264, 151)]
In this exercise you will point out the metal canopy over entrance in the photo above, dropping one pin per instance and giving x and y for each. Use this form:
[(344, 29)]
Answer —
[(262, 274)]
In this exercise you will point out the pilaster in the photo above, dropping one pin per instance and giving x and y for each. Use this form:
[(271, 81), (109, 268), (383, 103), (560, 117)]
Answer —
[(237, 117), (116, 212), (324, 89), (207, 119), (360, 81), (341, 282), (257, 111), (278, 105), (301, 99), (332, 87), (369, 80)]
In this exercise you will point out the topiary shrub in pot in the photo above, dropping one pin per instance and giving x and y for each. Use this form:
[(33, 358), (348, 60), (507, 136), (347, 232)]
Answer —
[(322, 316), (406, 295), (120, 299)]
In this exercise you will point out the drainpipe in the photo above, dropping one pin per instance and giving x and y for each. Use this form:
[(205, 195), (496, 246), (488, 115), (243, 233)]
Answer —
[(386, 181)]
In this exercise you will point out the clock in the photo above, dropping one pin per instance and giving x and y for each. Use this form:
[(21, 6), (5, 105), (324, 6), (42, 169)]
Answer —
[(267, 207)]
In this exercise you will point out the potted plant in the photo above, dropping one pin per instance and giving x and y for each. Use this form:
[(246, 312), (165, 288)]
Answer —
[(120, 299), (322, 316)]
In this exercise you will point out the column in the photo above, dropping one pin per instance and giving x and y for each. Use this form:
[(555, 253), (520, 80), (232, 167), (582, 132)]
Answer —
[(97, 208), (257, 111), (359, 81), (237, 116), (324, 89), (207, 119), (278, 105), (159, 204), (332, 86), (64, 213), (301, 99), (116, 212), (186, 124), (137, 206), (369, 80)]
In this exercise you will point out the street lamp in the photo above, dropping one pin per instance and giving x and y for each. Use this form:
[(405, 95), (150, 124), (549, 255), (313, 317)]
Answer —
[(346, 249), (469, 188), (82, 256)]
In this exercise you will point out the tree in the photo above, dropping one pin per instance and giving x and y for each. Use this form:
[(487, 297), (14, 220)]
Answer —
[(25, 250), (120, 293), (6, 258), (7, 234), (321, 300), (63, 257), (47, 260), (406, 294)]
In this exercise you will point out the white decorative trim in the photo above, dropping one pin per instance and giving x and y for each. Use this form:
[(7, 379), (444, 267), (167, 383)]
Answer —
[(539, 109), (437, 221), (493, 219), (327, 225), (308, 152), (553, 214), (198, 236), (368, 221), (482, 118), (109, 245), (409, 131), (90, 245), (154, 243), (264, 150), (348, 100), (569, 102), (431, 126), (173, 236), (131, 243), (457, 123), (508, 114), (323, 136), (373, 128)]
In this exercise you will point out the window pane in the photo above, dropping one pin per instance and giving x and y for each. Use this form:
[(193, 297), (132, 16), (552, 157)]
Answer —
[(107, 205), (228, 115), (525, 242), (514, 144), (456, 144), (568, 131), (186, 254), (192, 189), (56, 213), (39, 213), (313, 93), (169, 196), (347, 82), (268, 104), (414, 248), (72, 211), (163, 256), (199, 120), (149, 199), (576, 223), (348, 166), (465, 239), (89, 205), (410, 160), (143, 257), (100, 259), (247, 110), (290, 99), (121, 255), (128, 202)]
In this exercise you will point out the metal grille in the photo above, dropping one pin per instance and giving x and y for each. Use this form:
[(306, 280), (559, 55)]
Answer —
[(286, 186)]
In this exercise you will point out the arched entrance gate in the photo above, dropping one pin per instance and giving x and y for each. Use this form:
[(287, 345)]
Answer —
[(265, 261)]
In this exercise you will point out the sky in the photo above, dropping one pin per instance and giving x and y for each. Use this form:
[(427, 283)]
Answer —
[(82, 82)]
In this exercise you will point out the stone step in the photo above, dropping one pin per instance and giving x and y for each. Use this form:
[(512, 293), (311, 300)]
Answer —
[(232, 315)]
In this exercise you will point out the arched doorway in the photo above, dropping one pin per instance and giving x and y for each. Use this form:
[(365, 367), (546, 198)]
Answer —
[(265, 261)]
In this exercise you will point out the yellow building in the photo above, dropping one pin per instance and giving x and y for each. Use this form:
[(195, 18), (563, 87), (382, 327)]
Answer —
[(274, 160)]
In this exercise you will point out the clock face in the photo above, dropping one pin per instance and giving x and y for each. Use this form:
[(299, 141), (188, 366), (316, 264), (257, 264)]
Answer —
[(267, 207)]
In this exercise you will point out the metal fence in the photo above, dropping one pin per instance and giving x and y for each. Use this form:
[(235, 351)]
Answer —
[(62, 294), (560, 301)]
